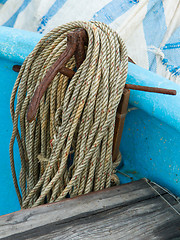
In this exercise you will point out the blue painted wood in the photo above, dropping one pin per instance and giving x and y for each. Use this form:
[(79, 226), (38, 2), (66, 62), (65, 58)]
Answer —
[(15, 45), (151, 137), (150, 148), (164, 107), (8, 198)]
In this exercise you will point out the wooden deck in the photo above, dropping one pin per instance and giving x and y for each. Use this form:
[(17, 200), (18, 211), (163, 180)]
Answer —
[(130, 211)]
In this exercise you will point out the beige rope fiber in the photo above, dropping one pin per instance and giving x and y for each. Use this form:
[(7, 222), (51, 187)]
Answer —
[(75, 119)]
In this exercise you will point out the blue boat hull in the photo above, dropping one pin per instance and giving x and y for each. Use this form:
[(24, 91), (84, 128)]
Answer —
[(151, 136)]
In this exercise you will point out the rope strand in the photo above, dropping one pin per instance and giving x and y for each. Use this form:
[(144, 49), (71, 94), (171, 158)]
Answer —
[(75, 119)]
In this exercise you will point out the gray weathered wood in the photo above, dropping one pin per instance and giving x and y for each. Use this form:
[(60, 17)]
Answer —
[(131, 211)]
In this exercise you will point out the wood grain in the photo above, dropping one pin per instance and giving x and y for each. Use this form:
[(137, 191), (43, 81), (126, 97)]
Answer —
[(130, 211)]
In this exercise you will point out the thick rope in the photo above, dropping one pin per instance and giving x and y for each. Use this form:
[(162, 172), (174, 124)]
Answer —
[(75, 119)]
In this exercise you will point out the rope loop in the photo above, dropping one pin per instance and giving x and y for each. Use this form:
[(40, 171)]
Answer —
[(67, 150)]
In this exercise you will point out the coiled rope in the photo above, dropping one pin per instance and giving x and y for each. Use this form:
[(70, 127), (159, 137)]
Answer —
[(75, 119)]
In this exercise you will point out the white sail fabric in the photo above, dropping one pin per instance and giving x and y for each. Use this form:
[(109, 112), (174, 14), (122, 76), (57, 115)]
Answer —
[(150, 28)]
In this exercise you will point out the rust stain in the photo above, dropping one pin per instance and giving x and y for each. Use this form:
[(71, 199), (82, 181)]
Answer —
[(131, 171)]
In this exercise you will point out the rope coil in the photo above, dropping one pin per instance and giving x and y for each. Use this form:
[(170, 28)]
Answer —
[(75, 118)]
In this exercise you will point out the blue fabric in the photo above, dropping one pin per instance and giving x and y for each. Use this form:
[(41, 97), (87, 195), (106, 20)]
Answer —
[(171, 52), (154, 25), (154, 29), (171, 45), (113, 10), (51, 12), (3, 1), (12, 20)]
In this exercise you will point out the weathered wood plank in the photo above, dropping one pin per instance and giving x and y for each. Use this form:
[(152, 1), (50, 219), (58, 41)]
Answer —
[(149, 219), (117, 196), (73, 216)]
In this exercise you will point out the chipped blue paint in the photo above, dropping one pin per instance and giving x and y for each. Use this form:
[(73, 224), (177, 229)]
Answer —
[(151, 137), (150, 148), (16, 44)]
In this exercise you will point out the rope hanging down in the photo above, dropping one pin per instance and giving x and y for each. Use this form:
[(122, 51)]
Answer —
[(75, 118)]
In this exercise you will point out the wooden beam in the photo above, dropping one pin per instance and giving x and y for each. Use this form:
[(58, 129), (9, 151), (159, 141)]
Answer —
[(131, 210)]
